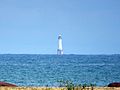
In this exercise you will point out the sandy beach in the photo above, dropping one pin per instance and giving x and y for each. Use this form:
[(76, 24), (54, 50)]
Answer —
[(58, 88)]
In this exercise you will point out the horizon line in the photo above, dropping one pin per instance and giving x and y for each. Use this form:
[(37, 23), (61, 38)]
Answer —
[(56, 54)]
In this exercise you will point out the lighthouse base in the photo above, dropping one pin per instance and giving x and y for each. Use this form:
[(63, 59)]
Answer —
[(59, 52)]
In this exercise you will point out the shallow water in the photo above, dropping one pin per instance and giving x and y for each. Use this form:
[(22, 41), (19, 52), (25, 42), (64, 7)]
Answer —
[(42, 70)]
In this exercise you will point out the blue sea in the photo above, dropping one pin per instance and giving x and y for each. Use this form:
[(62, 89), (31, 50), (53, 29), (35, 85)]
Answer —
[(46, 70)]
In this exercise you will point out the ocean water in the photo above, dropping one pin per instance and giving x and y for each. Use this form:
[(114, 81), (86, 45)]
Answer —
[(42, 70)]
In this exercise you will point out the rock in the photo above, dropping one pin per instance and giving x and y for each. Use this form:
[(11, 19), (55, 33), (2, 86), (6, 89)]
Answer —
[(7, 84), (115, 84)]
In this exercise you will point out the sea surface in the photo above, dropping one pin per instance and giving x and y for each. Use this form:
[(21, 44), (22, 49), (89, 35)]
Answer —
[(46, 70)]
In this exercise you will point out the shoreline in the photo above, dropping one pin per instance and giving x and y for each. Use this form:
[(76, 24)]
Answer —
[(59, 88)]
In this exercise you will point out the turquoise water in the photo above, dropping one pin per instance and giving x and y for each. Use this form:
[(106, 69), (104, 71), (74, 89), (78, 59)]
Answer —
[(42, 70)]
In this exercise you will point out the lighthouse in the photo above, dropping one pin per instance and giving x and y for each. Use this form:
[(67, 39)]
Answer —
[(60, 48)]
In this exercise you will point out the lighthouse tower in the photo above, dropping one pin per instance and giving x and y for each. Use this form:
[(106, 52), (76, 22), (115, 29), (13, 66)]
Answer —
[(60, 49)]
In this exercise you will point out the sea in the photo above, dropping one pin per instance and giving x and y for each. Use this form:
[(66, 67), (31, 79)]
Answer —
[(47, 70)]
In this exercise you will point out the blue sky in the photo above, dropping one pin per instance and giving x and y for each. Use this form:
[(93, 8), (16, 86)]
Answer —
[(33, 26)]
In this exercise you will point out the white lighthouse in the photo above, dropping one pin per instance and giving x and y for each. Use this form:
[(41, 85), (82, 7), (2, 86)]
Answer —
[(60, 48)]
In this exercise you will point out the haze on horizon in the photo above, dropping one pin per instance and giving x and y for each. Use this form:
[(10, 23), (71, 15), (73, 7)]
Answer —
[(33, 26)]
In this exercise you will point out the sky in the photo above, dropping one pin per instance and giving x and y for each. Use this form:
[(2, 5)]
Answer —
[(33, 26)]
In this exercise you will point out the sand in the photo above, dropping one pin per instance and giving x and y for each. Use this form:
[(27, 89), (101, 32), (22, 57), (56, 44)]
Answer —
[(57, 88)]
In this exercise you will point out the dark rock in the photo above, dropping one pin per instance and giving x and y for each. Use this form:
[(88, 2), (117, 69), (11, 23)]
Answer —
[(115, 84), (7, 84)]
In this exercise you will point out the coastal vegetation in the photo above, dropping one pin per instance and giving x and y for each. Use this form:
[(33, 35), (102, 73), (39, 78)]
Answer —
[(71, 86)]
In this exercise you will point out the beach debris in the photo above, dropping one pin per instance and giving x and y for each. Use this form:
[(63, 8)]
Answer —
[(114, 84), (7, 84)]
